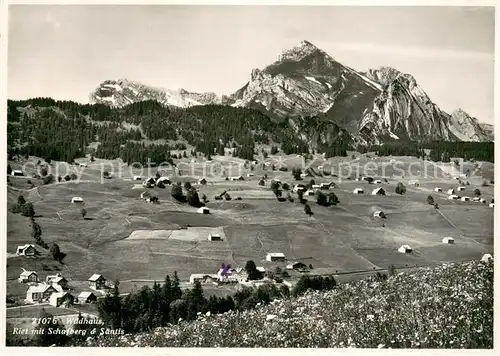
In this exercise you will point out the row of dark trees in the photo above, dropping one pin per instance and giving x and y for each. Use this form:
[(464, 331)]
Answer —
[(62, 130), (166, 303), (440, 151)]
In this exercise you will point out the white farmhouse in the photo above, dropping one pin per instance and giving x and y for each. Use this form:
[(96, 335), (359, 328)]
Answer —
[(203, 210), (358, 191), (437, 189), (77, 200), (378, 191), (17, 173), (448, 240), (487, 257), (414, 183), (275, 256), (214, 237), (405, 249)]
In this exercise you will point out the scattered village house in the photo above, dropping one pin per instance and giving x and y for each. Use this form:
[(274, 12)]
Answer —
[(86, 297), (316, 186), (448, 240), (437, 189), (214, 237), (450, 191), (57, 279), (204, 210), (237, 178), (378, 191), (486, 257), (377, 181), (325, 185), (202, 181), (164, 180), (453, 197), (275, 256), (28, 250), (465, 198), (63, 299), (492, 205), (17, 173), (296, 266), (76, 200), (414, 183), (358, 191), (137, 178), (405, 249), (459, 189), (202, 278), (28, 277), (150, 181), (309, 193), (298, 187), (83, 164), (226, 274), (379, 214), (39, 293), (97, 282)]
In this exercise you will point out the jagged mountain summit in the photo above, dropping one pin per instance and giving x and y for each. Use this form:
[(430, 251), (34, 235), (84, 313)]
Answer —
[(121, 92), (375, 106)]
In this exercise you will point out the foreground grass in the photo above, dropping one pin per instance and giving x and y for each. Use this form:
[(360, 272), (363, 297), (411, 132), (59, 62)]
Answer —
[(450, 306)]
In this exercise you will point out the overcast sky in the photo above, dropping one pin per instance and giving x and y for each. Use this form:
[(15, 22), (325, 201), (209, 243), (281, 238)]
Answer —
[(66, 51)]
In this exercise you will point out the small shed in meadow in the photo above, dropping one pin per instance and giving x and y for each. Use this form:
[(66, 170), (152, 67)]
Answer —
[(379, 214), (378, 191), (214, 237), (448, 240), (486, 257), (405, 249), (275, 256), (203, 210)]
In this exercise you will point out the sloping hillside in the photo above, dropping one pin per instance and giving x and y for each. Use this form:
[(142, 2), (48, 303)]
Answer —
[(450, 306)]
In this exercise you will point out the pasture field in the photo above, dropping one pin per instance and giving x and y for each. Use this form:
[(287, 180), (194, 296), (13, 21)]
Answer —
[(124, 238)]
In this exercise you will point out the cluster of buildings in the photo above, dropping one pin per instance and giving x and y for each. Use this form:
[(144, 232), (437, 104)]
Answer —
[(228, 274), (314, 188), (55, 290)]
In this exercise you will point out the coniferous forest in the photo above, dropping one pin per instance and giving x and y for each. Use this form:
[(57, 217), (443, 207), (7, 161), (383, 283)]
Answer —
[(63, 130)]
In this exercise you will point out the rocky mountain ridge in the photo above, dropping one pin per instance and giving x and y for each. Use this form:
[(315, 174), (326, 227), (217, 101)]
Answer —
[(374, 106)]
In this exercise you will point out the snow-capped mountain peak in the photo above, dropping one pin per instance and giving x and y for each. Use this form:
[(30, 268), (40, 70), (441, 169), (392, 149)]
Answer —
[(122, 92), (297, 52)]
